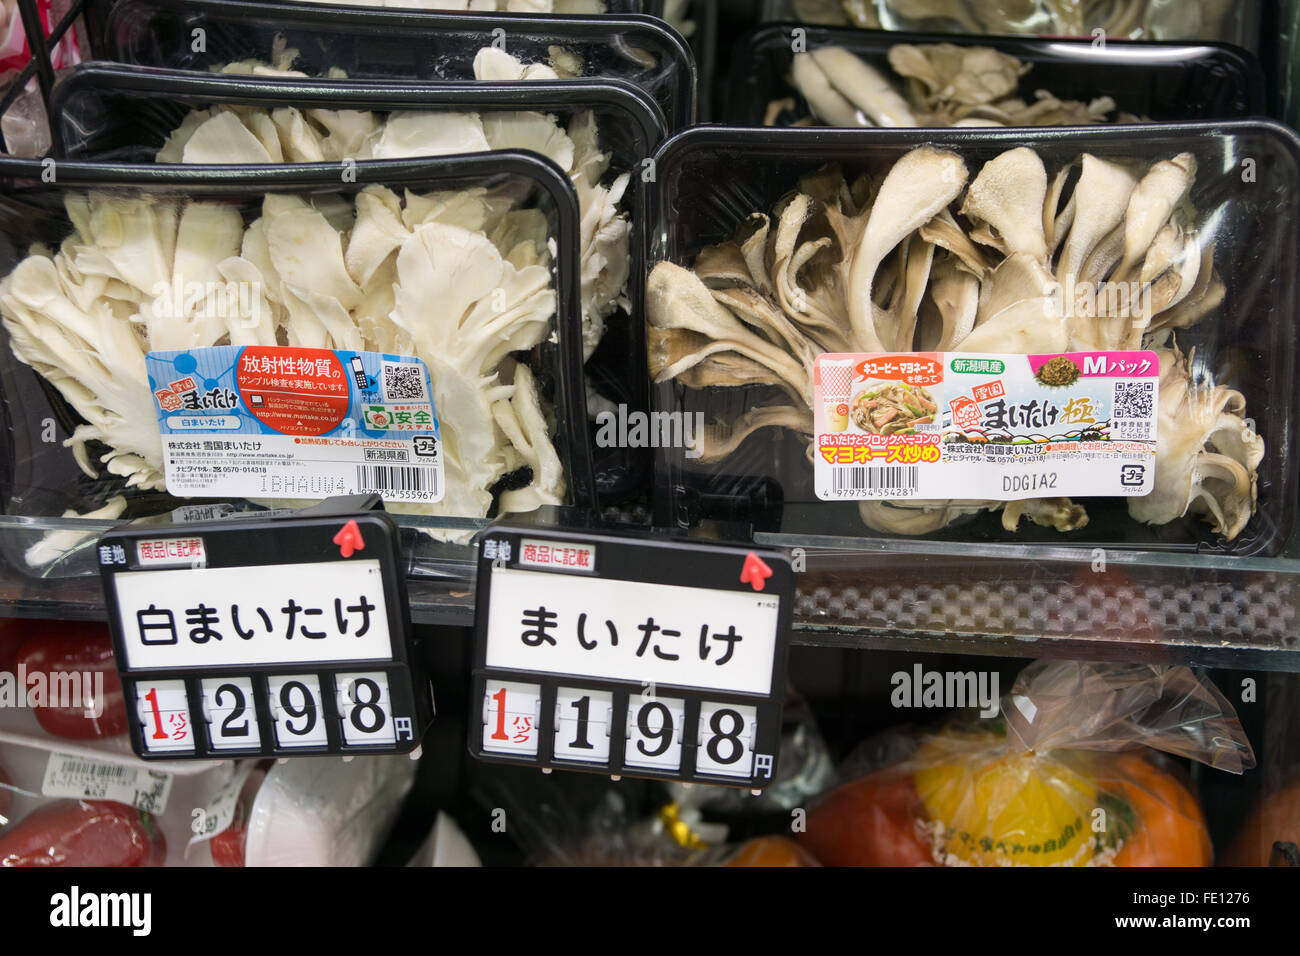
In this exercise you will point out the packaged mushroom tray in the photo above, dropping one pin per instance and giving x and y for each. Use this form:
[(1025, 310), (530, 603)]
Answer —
[(1236, 21), (1072, 337), (827, 76), (253, 112), (402, 44), (178, 337)]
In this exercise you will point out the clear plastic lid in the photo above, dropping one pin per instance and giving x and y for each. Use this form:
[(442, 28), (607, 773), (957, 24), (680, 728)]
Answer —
[(400, 45), (710, 180), (1236, 21), (81, 435), (601, 132), (1115, 81)]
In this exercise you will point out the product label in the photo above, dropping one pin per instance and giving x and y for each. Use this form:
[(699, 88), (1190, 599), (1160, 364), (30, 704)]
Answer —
[(219, 812), (944, 425), (279, 422), (83, 778)]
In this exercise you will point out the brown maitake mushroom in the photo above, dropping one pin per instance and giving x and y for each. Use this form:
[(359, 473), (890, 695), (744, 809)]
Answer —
[(1028, 264)]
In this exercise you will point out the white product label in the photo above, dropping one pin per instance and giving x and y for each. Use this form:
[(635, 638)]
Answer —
[(216, 817), (230, 617), (281, 422), (945, 425), (84, 778), (625, 630)]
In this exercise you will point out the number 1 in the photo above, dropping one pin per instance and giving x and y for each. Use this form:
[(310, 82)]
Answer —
[(500, 698), (152, 698), (583, 706)]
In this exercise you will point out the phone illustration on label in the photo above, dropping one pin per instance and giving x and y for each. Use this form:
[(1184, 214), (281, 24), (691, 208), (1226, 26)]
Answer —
[(359, 373)]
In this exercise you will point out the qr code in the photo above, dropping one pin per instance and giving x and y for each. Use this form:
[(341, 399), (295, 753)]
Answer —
[(1134, 400), (403, 383)]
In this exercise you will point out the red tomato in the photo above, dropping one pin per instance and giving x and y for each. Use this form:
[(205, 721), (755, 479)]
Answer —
[(12, 633), (6, 797), (869, 822), (84, 833), (84, 649)]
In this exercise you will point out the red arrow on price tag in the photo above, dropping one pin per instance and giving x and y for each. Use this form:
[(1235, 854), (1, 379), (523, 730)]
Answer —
[(755, 572), (349, 540)]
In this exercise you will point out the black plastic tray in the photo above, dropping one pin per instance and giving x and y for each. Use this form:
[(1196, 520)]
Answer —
[(1160, 81), (1245, 28), (106, 112), (711, 178), (39, 477), (370, 43)]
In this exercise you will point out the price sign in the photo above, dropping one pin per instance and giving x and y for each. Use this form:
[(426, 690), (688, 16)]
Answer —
[(630, 655), (274, 637)]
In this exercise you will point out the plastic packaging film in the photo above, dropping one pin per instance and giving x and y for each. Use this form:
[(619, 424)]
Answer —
[(1060, 779), (753, 461), (326, 812)]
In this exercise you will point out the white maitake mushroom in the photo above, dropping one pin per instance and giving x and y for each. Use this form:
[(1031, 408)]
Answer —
[(326, 274)]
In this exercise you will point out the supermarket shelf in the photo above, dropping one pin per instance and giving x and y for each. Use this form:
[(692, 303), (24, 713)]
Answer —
[(1013, 601), (1052, 602)]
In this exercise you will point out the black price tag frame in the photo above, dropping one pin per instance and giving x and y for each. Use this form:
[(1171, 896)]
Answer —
[(305, 538), (642, 558)]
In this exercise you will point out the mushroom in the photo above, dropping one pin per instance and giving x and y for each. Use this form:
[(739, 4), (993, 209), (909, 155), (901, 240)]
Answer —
[(1207, 455), (889, 267), (916, 189), (86, 328), (721, 439), (862, 86), (945, 85), (1004, 203)]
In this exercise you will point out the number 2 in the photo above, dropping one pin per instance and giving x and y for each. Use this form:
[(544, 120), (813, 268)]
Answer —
[(227, 728)]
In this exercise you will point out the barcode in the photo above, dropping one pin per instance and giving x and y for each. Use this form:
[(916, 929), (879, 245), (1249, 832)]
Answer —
[(396, 480), (890, 478), (87, 769)]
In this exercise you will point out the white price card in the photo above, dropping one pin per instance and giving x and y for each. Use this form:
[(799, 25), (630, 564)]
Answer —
[(238, 616), (230, 713), (162, 707), (366, 708), (510, 717), (726, 739), (611, 629), (297, 711), (654, 732), (84, 778), (582, 724)]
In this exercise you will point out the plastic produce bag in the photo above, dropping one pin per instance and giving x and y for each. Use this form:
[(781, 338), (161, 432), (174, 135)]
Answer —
[(40, 831), (322, 811), (1058, 780)]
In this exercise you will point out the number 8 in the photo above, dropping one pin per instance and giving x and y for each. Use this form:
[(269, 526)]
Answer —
[(733, 736), (372, 704)]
